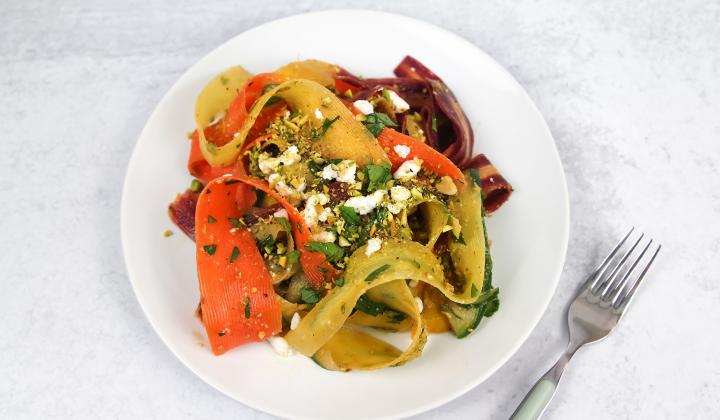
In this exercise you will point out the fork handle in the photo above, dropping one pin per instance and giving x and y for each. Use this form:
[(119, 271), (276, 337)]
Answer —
[(535, 402)]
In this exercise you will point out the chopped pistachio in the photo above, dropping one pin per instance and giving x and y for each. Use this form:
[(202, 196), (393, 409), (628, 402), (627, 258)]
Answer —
[(167, 233), (326, 101), (446, 186)]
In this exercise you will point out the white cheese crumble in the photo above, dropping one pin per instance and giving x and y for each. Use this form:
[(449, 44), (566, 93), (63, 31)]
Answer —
[(419, 303), (280, 345), (408, 169), (402, 150), (294, 321), (366, 204), (319, 115), (329, 172), (281, 213), (343, 171), (325, 236), (398, 102), (290, 156), (314, 207), (399, 193), (364, 106), (277, 182), (346, 171), (268, 164), (395, 208), (373, 245)]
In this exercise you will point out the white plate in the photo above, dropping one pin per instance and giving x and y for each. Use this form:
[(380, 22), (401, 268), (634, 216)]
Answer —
[(529, 233)]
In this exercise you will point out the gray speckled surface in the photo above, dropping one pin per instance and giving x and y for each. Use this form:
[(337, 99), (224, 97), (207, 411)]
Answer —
[(631, 91)]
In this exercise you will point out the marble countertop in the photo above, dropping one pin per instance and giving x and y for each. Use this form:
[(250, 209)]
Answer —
[(630, 90)]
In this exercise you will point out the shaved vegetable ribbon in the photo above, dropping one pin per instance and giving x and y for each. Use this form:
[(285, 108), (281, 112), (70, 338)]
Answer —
[(345, 138), (323, 333), (432, 159), (234, 116), (237, 298)]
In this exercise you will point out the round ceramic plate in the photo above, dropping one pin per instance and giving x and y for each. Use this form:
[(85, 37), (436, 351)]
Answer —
[(529, 234)]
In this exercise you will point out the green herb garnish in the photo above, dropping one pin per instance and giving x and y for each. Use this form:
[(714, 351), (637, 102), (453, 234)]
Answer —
[(210, 249), (211, 219), (308, 295), (339, 282), (332, 251), (326, 125), (293, 256), (377, 176), (474, 291), (247, 308), (433, 123), (235, 254), (376, 121), (372, 276), (350, 215), (236, 222)]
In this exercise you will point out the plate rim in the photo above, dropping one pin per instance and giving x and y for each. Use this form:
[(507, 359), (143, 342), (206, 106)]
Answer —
[(421, 408)]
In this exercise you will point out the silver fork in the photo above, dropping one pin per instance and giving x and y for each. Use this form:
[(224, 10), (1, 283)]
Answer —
[(596, 310)]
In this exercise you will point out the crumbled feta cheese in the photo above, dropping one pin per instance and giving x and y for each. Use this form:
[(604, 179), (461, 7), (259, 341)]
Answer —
[(419, 303), (346, 171), (325, 236), (408, 169), (366, 204), (399, 193), (319, 115), (290, 156), (402, 150), (280, 345), (364, 106), (398, 102), (294, 321), (313, 207), (395, 208), (343, 171), (281, 213), (373, 245), (446, 186), (267, 164), (329, 172), (277, 182)]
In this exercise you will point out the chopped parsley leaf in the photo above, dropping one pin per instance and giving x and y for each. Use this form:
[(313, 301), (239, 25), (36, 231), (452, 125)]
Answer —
[(210, 249), (236, 222), (332, 251), (308, 295), (372, 276), (247, 308), (376, 121), (377, 176), (350, 215), (339, 282), (211, 219), (293, 256), (433, 123), (235, 254)]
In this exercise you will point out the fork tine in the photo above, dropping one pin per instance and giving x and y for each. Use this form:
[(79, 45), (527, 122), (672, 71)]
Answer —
[(613, 274), (617, 290), (627, 297), (600, 270)]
